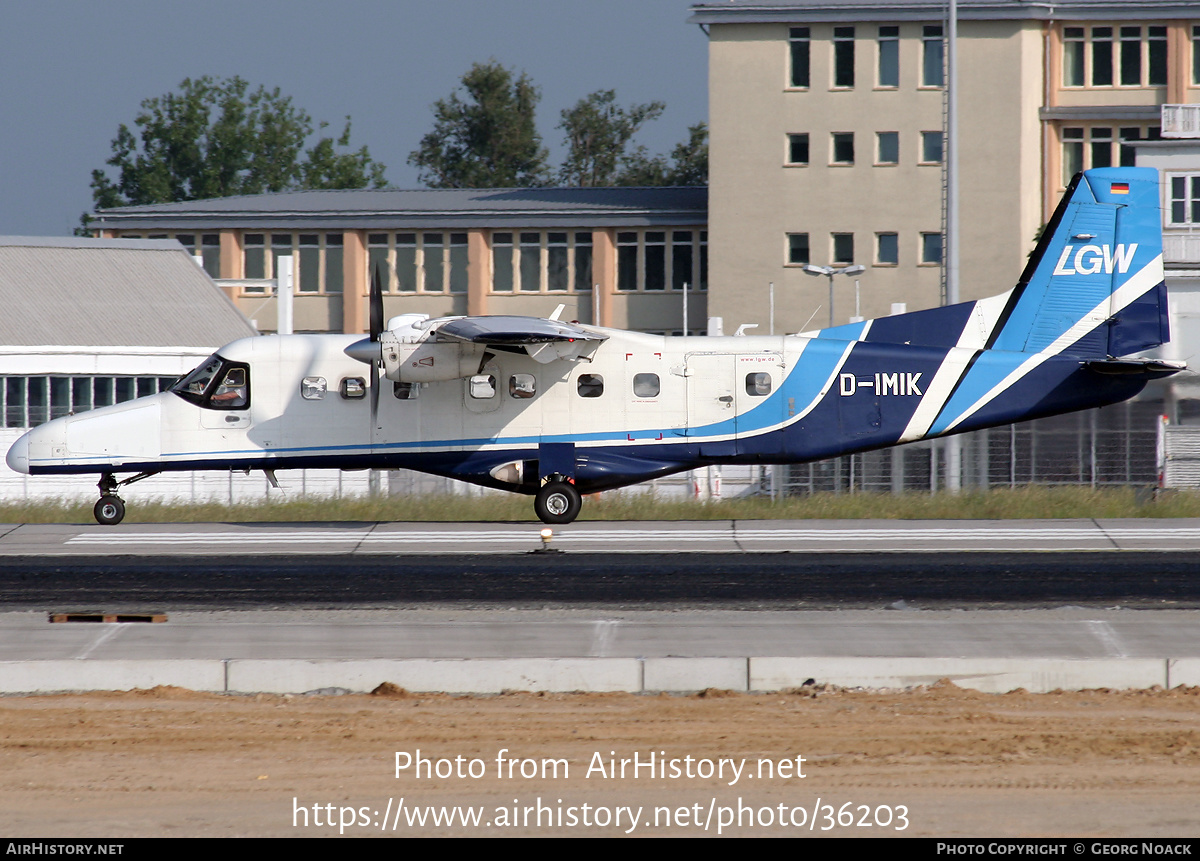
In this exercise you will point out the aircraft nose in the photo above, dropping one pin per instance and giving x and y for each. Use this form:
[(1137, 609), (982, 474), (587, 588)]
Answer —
[(18, 455)]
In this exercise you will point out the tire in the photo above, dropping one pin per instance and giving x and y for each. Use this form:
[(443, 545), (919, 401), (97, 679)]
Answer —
[(557, 502), (109, 511)]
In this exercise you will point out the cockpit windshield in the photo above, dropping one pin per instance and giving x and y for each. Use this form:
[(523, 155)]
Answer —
[(217, 384)]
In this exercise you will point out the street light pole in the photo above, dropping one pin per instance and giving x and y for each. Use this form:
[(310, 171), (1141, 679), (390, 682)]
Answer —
[(829, 272)]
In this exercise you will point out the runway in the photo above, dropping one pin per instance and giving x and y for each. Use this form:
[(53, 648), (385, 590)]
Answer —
[(712, 537), (612, 606)]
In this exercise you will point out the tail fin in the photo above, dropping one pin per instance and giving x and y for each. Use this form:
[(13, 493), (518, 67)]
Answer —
[(1094, 285)]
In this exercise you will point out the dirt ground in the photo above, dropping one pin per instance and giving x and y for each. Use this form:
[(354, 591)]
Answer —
[(933, 762)]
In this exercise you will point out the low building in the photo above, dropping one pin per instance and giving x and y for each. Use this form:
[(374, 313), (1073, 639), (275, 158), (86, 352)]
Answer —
[(615, 256)]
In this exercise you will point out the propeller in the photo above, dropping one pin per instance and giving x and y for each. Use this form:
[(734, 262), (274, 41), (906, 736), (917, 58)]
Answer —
[(377, 347)]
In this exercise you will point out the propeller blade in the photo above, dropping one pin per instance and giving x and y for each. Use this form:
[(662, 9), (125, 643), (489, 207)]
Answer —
[(376, 305), (376, 382)]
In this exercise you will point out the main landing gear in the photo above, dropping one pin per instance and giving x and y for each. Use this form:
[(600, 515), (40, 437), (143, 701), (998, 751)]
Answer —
[(558, 501), (110, 510)]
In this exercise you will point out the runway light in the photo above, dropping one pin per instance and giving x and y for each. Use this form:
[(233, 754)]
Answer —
[(547, 534)]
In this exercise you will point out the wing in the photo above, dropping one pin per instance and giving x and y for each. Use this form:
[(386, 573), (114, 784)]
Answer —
[(544, 340)]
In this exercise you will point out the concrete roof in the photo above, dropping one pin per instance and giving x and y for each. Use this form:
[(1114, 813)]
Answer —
[(422, 208), (110, 292), (785, 11)]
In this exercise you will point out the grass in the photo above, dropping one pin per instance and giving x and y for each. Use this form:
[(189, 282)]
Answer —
[(1001, 504)]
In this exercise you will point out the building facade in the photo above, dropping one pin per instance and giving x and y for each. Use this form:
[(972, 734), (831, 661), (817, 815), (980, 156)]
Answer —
[(827, 138), (614, 256)]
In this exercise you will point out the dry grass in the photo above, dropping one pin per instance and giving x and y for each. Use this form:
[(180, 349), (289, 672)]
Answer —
[(1022, 503)]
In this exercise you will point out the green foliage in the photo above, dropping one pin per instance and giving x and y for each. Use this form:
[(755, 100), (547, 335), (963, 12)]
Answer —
[(999, 504), (486, 138), (598, 133), (325, 167), (216, 138)]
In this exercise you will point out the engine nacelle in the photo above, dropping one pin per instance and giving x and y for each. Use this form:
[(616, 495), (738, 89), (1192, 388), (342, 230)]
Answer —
[(426, 362)]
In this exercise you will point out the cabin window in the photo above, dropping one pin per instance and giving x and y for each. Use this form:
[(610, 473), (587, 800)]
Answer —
[(353, 388), (591, 385), (758, 385), (406, 391), (483, 387), (522, 386), (313, 388), (218, 384), (233, 392), (645, 385)]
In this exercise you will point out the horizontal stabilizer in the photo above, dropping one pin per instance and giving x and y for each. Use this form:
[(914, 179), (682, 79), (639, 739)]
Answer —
[(1151, 369)]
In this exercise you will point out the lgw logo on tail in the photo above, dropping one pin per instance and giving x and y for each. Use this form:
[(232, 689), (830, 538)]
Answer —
[(1090, 259)]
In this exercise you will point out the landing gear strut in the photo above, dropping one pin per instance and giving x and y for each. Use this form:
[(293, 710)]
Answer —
[(110, 510), (557, 502)]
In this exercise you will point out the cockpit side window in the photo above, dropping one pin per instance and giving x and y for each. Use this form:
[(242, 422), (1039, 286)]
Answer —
[(217, 384)]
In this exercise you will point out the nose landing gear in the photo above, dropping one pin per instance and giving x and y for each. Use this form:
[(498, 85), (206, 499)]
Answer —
[(110, 510)]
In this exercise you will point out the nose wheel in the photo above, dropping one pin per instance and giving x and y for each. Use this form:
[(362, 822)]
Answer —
[(110, 510)]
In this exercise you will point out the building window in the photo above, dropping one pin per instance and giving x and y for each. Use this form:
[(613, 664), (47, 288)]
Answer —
[(933, 71), (531, 263), (1131, 56), (1196, 54), (566, 263), (797, 149), (931, 248), (433, 262), (254, 249), (210, 252), (798, 44), (843, 248), (889, 56), (394, 256), (1156, 50), (887, 249), (1073, 53), (931, 147), (1101, 145), (652, 259), (887, 150), (843, 56), (458, 263), (334, 263), (26, 402), (843, 147), (556, 262), (797, 249), (1102, 56), (627, 268), (1085, 147), (502, 262), (583, 261), (655, 256), (308, 272), (1185, 199), (406, 263), (682, 259)]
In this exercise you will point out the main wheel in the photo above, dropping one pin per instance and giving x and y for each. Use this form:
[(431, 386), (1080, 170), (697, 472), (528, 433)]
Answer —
[(110, 510), (557, 502)]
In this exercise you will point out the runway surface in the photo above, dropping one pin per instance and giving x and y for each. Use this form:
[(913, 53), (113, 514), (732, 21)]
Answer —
[(695, 537), (751, 591)]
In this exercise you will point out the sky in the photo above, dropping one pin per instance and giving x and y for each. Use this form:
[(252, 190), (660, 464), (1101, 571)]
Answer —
[(71, 71)]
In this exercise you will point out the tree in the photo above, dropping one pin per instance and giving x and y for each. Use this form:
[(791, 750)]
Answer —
[(597, 134), (486, 138), (216, 138), (325, 167)]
